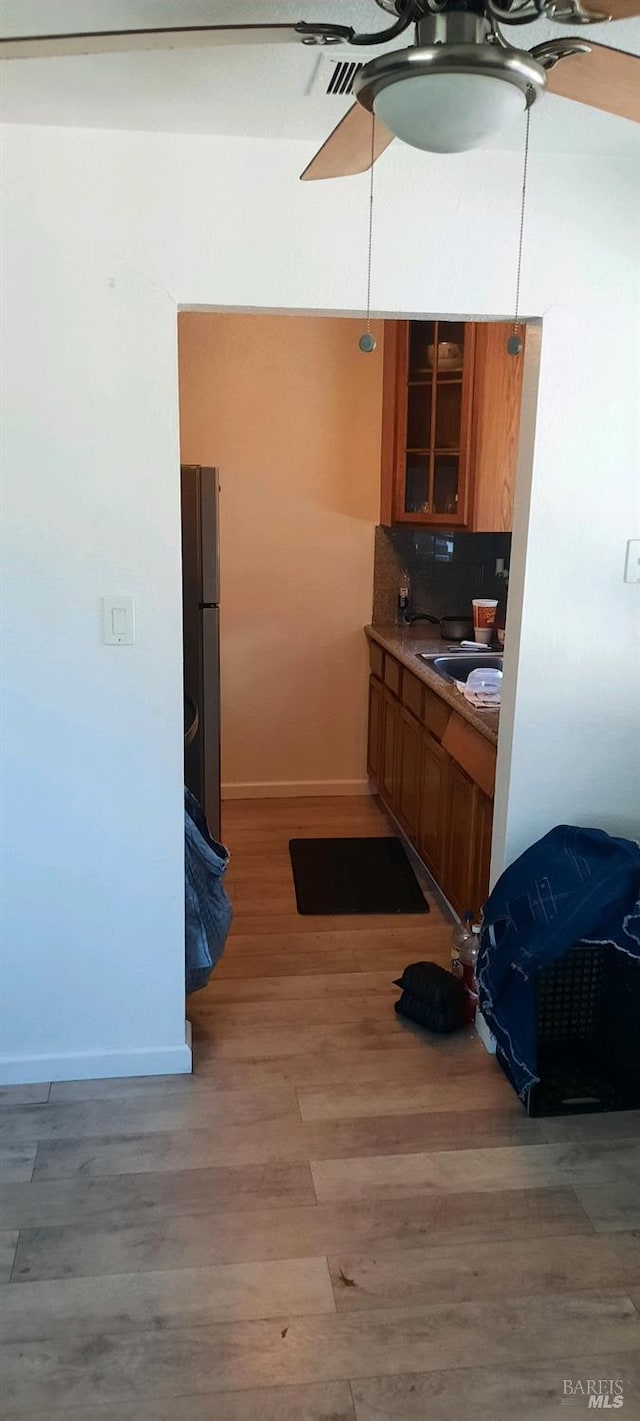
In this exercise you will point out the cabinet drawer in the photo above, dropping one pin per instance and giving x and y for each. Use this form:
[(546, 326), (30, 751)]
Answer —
[(472, 752), (436, 714), (392, 675), (376, 660), (412, 694)]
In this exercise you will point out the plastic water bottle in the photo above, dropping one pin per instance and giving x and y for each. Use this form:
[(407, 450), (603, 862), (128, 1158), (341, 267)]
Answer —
[(469, 962), (461, 937)]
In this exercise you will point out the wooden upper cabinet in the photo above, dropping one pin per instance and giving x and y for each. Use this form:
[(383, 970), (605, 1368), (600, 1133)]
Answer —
[(426, 422), (495, 433), (450, 425)]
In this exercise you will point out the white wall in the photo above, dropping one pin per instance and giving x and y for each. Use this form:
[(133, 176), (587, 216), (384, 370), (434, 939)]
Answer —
[(106, 234), (92, 979)]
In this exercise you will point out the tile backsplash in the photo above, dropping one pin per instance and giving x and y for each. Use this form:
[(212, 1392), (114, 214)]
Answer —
[(445, 570)]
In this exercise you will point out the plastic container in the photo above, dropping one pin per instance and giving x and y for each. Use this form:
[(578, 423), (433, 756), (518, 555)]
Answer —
[(485, 679), (461, 936), (469, 961)]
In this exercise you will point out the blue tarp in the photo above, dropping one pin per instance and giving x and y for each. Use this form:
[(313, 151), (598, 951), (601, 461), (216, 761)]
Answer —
[(574, 885)]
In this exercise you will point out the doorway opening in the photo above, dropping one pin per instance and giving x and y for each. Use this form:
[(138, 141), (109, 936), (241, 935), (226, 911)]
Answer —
[(348, 482)]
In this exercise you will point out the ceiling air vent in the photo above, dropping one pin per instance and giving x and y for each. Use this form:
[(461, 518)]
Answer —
[(344, 73)]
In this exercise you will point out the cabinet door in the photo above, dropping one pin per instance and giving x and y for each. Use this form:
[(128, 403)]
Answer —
[(433, 783), (394, 376), (459, 839), (482, 865), (376, 694), (389, 748), (497, 399), (427, 398), (408, 782)]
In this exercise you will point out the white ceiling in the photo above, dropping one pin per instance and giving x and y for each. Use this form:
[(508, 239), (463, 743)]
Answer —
[(276, 91)]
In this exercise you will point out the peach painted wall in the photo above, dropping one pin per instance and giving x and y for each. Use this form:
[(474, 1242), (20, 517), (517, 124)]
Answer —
[(289, 409)]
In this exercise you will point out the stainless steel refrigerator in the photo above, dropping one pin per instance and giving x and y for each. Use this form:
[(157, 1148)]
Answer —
[(201, 636)]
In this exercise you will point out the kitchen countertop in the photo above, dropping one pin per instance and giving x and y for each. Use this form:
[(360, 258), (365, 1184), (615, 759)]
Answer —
[(405, 645)]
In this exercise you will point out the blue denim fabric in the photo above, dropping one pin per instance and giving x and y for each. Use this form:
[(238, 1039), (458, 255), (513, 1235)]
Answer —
[(573, 885), (208, 911)]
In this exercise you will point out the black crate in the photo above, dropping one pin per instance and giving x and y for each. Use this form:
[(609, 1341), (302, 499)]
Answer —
[(588, 1040)]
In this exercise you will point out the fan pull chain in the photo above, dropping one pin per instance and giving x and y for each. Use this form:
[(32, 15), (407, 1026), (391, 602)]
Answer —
[(368, 341), (514, 343)]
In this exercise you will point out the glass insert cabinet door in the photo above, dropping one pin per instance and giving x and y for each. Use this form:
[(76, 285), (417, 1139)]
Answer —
[(433, 389)]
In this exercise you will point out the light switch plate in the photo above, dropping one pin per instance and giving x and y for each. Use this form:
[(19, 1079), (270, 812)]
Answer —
[(118, 621), (632, 563)]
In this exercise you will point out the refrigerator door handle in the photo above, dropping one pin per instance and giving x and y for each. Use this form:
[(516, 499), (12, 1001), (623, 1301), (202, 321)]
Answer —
[(210, 717), (210, 536)]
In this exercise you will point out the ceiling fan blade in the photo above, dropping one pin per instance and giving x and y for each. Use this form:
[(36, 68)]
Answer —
[(347, 150), (164, 37), (604, 78), (616, 9)]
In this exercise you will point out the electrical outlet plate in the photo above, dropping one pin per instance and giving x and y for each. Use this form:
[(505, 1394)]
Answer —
[(632, 562)]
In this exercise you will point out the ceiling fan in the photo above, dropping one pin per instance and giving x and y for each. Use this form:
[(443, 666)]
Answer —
[(462, 81), (458, 84)]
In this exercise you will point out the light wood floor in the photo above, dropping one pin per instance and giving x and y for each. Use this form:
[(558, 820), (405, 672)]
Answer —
[(334, 1219)]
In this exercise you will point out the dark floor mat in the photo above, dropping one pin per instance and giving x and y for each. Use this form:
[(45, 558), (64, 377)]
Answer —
[(354, 876)]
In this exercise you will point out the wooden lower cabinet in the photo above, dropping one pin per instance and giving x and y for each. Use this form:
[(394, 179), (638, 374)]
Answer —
[(443, 810), (409, 752), (467, 839), (433, 787), (374, 740), (483, 835), (459, 839), (390, 723)]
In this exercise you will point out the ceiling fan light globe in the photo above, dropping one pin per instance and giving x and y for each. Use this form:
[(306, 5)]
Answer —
[(449, 113)]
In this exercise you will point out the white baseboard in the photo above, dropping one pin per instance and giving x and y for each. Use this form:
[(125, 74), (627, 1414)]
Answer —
[(98, 1065), (295, 789)]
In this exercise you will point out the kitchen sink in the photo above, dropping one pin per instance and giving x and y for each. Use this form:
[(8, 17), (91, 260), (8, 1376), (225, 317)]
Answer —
[(458, 666)]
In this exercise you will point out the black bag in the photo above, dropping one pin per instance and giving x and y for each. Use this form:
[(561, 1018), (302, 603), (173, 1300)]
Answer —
[(432, 997)]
